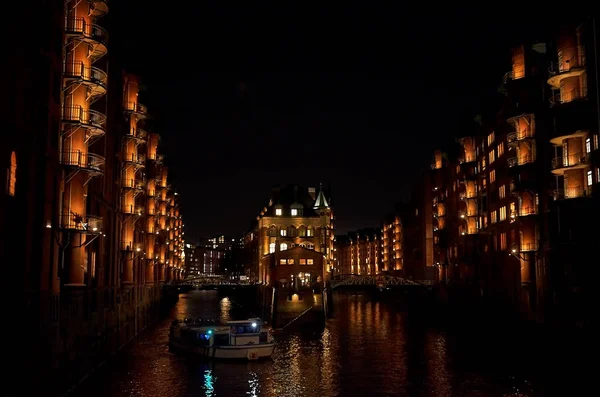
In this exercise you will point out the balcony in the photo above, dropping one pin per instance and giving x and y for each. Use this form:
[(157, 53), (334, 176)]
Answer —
[(137, 134), (467, 159), (90, 162), (565, 68), (133, 183), (98, 8), (136, 159), (521, 160), (90, 33), (133, 209), (130, 246), (528, 247), (572, 192), (568, 96), (572, 162), (136, 108), (529, 210), (90, 224), (93, 121), (517, 136), (95, 79)]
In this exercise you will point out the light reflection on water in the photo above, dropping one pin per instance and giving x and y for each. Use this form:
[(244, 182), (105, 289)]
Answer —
[(368, 349)]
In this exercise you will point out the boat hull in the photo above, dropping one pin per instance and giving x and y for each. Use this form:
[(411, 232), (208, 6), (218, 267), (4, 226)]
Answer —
[(245, 352)]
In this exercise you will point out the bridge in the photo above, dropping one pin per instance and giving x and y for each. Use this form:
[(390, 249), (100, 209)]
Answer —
[(204, 280), (380, 281)]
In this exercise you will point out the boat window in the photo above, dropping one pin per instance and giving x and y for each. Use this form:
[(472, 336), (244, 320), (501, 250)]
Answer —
[(244, 329)]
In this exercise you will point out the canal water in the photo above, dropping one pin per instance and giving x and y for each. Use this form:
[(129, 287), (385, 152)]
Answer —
[(370, 348)]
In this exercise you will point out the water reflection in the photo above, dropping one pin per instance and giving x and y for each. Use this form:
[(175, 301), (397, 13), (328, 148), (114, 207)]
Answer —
[(370, 348)]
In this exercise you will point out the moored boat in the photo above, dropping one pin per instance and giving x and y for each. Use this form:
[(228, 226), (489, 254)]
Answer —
[(246, 339)]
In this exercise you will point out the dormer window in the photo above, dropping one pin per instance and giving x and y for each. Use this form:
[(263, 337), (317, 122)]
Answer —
[(294, 212), (278, 211)]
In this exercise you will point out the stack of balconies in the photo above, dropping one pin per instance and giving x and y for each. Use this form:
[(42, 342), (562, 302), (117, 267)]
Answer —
[(83, 84)]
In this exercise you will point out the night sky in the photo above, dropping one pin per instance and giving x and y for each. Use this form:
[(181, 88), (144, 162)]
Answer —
[(246, 98)]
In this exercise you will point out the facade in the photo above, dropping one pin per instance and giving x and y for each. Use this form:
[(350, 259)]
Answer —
[(360, 252), (295, 268), (511, 212), (80, 217), (293, 216)]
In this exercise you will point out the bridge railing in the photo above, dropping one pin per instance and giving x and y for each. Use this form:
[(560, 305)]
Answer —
[(368, 280)]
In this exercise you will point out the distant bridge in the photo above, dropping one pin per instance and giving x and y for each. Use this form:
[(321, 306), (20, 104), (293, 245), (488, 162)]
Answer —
[(380, 280), (204, 279)]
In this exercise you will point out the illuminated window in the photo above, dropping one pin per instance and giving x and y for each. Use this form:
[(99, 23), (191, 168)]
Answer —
[(271, 248), (502, 191), (283, 232), (278, 211), (309, 232), (588, 145), (11, 180), (492, 176), (500, 149), (502, 213), (310, 262), (491, 138), (290, 261), (597, 174), (494, 217), (303, 261), (294, 212), (589, 178), (283, 246), (283, 261), (492, 156)]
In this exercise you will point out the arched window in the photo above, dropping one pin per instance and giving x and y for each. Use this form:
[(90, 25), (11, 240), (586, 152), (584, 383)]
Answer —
[(12, 175), (283, 247), (271, 248)]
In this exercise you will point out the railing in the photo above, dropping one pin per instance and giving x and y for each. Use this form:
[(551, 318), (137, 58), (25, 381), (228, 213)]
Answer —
[(519, 135), (467, 159), (137, 133), (77, 158), (572, 192), (568, 96), (88, 74), (570, 161), (135, 107), (531, 210), (90, 223), (133, 183), (472, 213), (521, 160), (86, 117), (528, 247), (88, 30), (132, 209), (135, 158), (574, 62)]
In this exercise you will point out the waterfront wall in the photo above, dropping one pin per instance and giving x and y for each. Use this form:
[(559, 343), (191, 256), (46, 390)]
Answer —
[(93, 327)]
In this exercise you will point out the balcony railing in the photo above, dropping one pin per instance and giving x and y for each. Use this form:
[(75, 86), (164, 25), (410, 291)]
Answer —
[(571, 160), (521, 160), (530, 210), (566, 65), (568, 96), (90, 224), (86, 74), (528, 247), (467, 159), (519, 135), (86, 117), (87, 161), (133, 183), (89, 31), (135, 107), (135, 158), (572, 192)]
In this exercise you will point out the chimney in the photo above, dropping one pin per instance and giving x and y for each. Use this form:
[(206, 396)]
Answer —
[(312, 192)]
